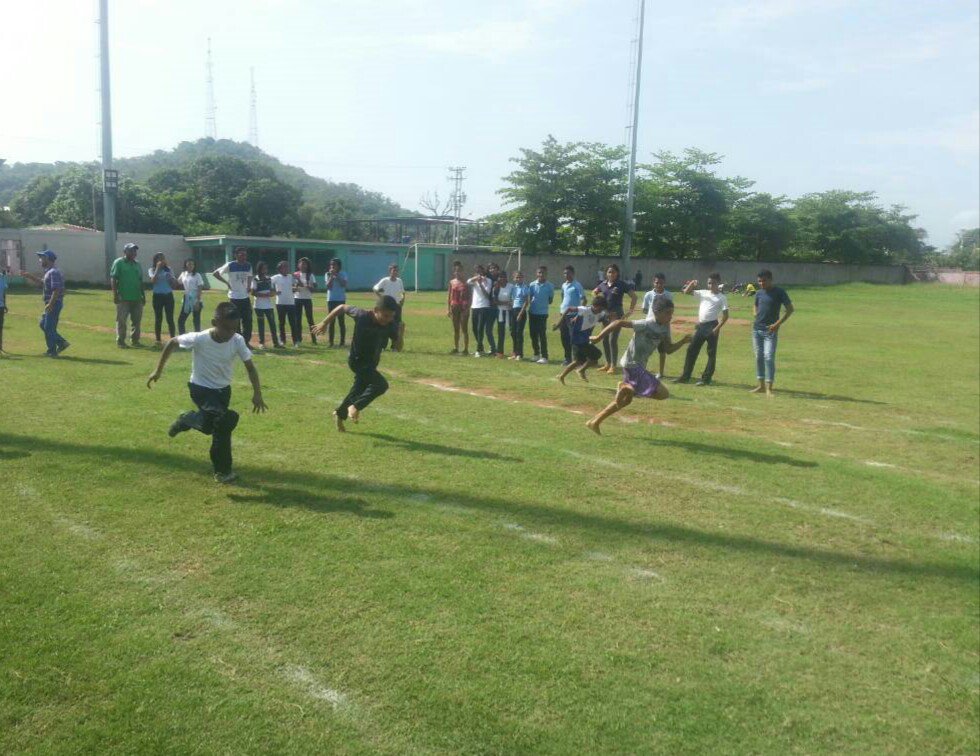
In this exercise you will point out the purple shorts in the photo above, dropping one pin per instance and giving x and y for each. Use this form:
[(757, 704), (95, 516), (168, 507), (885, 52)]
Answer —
[(644, 384)]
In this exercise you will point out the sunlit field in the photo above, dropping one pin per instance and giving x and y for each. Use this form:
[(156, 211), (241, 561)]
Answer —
[(469, 569)]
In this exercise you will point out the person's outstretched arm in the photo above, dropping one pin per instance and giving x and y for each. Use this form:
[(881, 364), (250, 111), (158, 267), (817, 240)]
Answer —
[(689, 286), (611, 328), (673, 346), (168, 350), (258, 405), (35, 280), (337, 312)]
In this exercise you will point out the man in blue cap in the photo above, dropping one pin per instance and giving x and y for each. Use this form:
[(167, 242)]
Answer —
[(53, 287)]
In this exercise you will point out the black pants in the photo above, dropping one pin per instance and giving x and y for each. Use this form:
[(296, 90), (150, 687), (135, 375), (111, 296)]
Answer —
[(182, 319), (610, 342), (565, 329), (517, 333), (163, 304), (340, 322), (245, 311), (264, 316), (213, 418), (288, 313), (482, 321), (539, 334), (3, 312), (304, 305), (369, 384), (702, 334)]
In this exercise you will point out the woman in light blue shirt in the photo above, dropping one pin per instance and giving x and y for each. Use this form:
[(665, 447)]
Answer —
[(519, 319), (163, 282)]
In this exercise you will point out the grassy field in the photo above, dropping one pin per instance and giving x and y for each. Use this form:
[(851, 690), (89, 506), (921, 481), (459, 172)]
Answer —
[(471, 570)]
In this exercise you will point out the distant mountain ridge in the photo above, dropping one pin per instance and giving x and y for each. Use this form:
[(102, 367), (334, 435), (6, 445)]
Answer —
[(318, 191)]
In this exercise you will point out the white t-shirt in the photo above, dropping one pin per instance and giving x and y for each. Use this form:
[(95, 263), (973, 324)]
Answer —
[(237, 278), (505, 296), (192, 283), (589, 319), (651, 296), (283, 284), (481, 299), (303, 290), (387, 287), (712, 305), (211, 362)]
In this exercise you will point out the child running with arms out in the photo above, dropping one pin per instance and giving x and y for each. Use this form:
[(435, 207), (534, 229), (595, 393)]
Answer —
[(586, 354), (213, 354), (637, 380), (372, 329)]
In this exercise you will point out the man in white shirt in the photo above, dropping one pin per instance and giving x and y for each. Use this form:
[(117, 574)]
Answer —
[(712, 315), (237, 276), (214, 353), (392, 286)]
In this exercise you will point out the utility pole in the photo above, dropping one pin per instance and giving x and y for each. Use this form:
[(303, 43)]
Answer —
[(253, 114), (457, 199), (630, 224), (210, 108), (110, 177)]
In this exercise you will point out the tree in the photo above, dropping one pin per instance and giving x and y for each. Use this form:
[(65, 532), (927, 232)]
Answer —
[(75, 201), (759, 227), (267, 207), (964, 252), (32, 202)]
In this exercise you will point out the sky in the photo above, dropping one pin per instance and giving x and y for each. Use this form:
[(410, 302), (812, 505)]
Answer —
[(798, 95)]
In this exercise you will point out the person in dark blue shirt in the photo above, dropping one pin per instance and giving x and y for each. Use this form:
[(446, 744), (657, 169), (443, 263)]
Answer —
[(768, 301)]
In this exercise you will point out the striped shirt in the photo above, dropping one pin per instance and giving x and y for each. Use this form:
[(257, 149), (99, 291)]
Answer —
[(52, 282)]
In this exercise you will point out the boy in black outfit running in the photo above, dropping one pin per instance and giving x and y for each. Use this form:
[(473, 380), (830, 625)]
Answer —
[(371, 331)]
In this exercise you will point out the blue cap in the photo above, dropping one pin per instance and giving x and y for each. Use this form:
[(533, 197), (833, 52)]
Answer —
[(48, 254)]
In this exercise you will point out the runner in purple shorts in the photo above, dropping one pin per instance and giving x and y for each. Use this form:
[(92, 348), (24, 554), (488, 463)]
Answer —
[(648, 335)]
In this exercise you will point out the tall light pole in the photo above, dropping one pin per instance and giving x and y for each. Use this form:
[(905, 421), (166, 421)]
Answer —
[(110, 178), (630, 223)]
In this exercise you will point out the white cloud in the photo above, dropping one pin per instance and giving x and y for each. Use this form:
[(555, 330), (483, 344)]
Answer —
[(795, 86), (959, 135), (735, 16), (966, 219), (493, 40)]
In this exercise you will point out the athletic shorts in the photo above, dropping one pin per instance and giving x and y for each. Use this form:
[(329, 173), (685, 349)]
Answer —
[(587, 353), (643, 382)]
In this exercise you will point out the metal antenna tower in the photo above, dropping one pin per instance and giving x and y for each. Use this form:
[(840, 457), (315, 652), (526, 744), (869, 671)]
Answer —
[(210, 125), (253, 114), (630, 224), (457, 199)]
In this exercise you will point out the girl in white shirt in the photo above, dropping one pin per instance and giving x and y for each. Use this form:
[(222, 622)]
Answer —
[(305, 286), (262, 290), (193, 284), (503, 300), (285, 285)]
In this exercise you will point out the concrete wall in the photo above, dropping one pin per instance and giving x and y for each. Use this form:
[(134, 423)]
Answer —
[(80, 253), (80, 259), (678, 271)]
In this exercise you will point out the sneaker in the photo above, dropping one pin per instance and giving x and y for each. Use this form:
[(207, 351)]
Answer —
[(176, 427), (260, 346), (62, 347), (542, 361), (657, 376), (703, 382), (122, 345), (682, 379), (225, 477), (295, 345), (535, 358), (477, 354), (566, 363), (518, 358)]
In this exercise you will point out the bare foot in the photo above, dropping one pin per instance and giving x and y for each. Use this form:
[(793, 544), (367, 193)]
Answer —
[(353, 413), (757, 390), (769, 392), (593, 426), (561, 378), (581, 374), (340, 423)]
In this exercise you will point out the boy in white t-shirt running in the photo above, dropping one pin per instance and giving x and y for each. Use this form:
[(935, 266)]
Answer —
[(213, 357)]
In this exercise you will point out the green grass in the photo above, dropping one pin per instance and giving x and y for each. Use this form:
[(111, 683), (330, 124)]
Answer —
[(475, 572)]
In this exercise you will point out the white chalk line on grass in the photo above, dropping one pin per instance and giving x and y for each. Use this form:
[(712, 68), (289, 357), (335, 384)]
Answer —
[(299, 676), (529, 535), (901, 431)]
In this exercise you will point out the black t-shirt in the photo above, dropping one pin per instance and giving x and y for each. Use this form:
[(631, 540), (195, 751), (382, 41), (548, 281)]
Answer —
[(767, 304), (368, 341)]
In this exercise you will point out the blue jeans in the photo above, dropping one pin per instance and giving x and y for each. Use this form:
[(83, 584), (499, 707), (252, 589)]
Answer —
[(49, 324), (764, 346)]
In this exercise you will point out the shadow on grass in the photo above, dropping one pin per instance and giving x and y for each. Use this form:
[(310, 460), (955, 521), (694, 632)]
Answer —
[(85, 360), (449, 451), (546, 515), (13, 454), (736, 454), (803, 394), (279, 496)]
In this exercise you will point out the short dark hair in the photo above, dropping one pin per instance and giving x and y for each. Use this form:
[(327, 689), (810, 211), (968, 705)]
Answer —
[(543, 267), (661, 276), (599, 300), (569, 267), (393, 265), (387, 303), (457, 264), (227, 311), (765, 273), (241, 249), (662, 304), (612, 266), (714, 277), (336, 261)]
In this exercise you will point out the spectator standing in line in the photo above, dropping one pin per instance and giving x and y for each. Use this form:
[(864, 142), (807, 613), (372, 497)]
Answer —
[(572, 297), (614, 290), (193, 284), (3, 304), (480, 293), (457, 308), (659, 291), (336, 296), (239, 283), (392, 286), (765, 330), (712, 316), (162, 280), (519, 316), (541, 293), (285, 287), (126, 279), (305, 286), (53, 289)]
